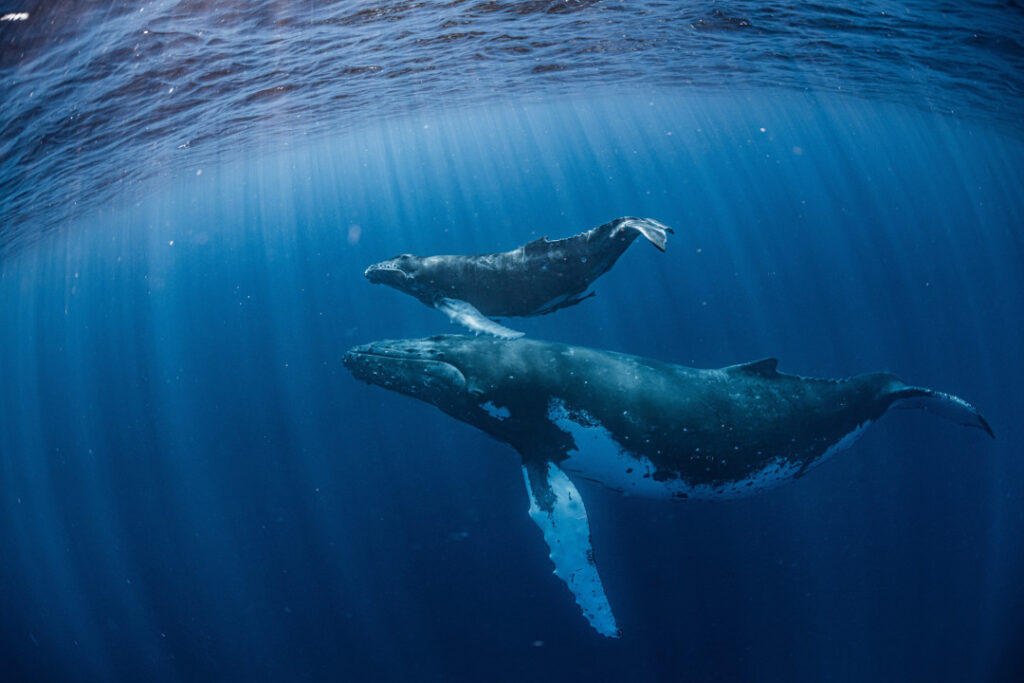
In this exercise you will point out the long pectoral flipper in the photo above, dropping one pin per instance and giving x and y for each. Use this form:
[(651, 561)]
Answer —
[(557, 508), (465, 314)]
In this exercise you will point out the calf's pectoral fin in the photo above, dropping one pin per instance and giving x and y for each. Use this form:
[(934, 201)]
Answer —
[(942, 404), (656, 233), (466, 314), (559, 304), (557, 508)]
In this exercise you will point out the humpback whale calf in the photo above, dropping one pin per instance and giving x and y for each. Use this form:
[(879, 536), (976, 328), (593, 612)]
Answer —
[(636, 425), (534, 279)]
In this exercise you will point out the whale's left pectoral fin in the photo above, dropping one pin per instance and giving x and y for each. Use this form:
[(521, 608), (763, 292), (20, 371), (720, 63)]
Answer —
[(467, 315), (557, 508)]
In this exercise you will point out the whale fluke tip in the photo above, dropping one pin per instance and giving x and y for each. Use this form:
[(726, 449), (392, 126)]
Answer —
[(945, 405), (656, 232)]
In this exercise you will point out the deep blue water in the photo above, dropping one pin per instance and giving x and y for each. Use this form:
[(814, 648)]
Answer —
[(192, 487)]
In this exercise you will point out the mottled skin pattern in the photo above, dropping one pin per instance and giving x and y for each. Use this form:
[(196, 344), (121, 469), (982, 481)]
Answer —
[(663, 430), (534, 279), (712, 427)]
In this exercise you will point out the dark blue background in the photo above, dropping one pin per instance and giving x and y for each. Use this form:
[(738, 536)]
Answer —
[(193, 487)]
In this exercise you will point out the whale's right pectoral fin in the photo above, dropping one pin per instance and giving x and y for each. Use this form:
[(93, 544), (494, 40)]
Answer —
[(557, 508), (466, 314)]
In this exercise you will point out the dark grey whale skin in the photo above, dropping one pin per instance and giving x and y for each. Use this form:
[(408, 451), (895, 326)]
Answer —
[(537, 278), (702, 427), (635, 425)]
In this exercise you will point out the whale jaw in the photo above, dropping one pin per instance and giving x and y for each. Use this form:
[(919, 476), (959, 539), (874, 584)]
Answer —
[(388, 272), (408, 369)]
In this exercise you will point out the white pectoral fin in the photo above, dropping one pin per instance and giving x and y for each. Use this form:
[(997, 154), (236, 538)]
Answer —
[(557, 508), (465, 314)]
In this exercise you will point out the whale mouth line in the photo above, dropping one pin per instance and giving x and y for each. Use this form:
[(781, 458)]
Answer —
[(386, 268), (384, 353), (386, 356), (389, 353), (404, 370)]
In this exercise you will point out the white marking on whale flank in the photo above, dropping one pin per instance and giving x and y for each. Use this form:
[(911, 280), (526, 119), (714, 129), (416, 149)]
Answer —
[(500, 413), (599, 457), (843, 443)]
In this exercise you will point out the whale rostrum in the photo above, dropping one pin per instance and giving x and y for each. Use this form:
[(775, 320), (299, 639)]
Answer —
[(636, 425), (535, 279)]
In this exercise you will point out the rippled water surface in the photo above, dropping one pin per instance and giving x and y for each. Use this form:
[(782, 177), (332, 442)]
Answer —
[(99, 95)]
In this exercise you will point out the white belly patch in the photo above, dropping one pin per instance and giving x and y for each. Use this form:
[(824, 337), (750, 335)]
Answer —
[(598, 456), (500, 413)]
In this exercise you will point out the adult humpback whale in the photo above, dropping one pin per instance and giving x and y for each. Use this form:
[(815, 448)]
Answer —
[(636, 425), (534, 279)]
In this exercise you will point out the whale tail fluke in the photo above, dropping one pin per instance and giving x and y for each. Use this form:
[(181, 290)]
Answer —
[(656, 233), (942, 404)]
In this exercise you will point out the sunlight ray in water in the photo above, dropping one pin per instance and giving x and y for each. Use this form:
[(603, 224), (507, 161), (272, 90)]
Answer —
[(193, 487)]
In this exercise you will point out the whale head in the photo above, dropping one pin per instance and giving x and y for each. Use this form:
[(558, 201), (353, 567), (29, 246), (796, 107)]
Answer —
[(466, 377), (413, 275), (416, 367), (451, 372), (395, 272)]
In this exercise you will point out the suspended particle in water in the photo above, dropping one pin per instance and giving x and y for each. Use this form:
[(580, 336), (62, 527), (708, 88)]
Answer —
[(355, 231)]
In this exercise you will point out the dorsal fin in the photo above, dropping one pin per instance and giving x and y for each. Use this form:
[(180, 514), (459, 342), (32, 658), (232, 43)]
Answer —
[(766, 367), (536, 245)]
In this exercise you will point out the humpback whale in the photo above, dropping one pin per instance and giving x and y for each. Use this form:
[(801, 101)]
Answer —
[(636, 425), (537, 278)]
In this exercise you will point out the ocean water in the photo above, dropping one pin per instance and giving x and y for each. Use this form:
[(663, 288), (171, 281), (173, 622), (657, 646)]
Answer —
[(193, 487)]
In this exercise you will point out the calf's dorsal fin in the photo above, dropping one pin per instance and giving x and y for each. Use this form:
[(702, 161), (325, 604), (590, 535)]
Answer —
[(766, 367), (538, 245)]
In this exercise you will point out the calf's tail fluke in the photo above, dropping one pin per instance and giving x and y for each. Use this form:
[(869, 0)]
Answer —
[(656, 233), (942, 404)]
